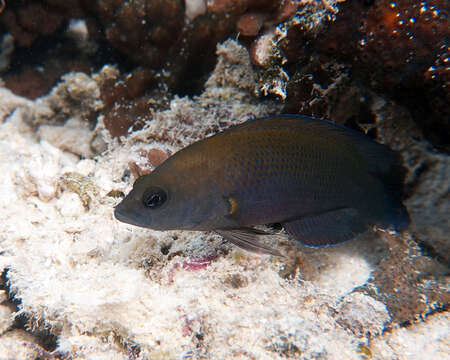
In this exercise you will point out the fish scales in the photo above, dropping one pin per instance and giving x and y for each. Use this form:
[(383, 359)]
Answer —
[(325, 183), (275, 171)]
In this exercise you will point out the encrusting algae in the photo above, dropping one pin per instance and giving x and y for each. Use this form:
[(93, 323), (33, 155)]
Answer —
[(323, 182)]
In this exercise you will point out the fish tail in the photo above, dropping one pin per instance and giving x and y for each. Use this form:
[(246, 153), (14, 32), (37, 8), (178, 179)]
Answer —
[(393, 177), (386, 166), (395, 216), (393, 181), (402, 219)]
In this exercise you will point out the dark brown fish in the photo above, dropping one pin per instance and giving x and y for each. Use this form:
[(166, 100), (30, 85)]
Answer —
[(323, 182)]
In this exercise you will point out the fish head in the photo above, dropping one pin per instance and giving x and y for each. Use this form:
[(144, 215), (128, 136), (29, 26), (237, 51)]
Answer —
[(170, 199)]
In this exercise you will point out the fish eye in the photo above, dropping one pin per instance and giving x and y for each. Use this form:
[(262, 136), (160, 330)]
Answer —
[(154, 198)]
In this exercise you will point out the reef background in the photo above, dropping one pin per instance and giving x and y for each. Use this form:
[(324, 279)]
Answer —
[(93, 94)]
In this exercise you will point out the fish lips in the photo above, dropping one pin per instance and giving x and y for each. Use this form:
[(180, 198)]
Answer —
[(129, 215)]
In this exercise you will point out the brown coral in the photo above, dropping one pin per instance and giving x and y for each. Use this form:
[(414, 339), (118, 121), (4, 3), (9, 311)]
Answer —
[(34, 82), (35, 70), (156, 156), (400, 47), (147, 31), (250, 24), (26, 23), (127, 101)]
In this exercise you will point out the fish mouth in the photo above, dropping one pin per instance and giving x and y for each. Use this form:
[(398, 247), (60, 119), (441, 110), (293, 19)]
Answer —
[(129, 216)]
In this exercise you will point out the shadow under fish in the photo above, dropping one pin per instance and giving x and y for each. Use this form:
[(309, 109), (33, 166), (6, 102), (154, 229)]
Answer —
[(323, 182)]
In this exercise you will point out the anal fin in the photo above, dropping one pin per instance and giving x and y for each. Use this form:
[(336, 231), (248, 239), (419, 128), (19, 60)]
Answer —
[(328, 228), (247, 239)]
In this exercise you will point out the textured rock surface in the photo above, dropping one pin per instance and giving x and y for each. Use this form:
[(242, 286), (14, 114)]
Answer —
[(396, 47), (362, 315), (429, 339)]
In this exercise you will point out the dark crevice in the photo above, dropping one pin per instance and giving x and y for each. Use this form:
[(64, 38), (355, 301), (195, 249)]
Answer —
[(411, 187), (428, 250), (429, 114), (50, 57), (353, 123), (165, 249), (440, 308), (44, 337), (366, 115)]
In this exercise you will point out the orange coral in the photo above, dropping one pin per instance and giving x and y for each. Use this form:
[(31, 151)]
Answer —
[(397, 46)]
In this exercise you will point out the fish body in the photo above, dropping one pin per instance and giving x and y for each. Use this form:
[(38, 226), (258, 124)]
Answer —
[(324, 182)]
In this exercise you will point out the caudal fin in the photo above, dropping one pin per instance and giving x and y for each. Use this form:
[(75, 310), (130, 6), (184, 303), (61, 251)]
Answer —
[(396, 216), (386, 166)]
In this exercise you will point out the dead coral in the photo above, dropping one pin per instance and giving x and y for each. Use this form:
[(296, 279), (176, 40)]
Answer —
[(363, 315), (250, 24), (194, 8), (233, 68), (76, 94), (14, 102), (280, 45), (427, 339), (83, 186), (75, 136), (18, 344)]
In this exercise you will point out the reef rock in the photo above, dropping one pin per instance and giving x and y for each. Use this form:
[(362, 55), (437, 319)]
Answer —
[(81, 285)]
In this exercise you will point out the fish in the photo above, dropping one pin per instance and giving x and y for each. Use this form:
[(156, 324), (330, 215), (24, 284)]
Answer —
[(323, 182)]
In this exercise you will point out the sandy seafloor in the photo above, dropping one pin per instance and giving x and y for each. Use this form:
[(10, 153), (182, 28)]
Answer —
[(107, 290)]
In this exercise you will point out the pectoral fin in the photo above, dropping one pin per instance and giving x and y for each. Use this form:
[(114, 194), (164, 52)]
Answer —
[(327, 228), (247, 239)]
